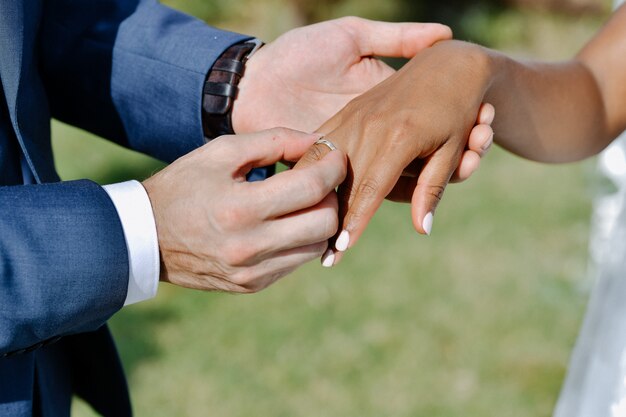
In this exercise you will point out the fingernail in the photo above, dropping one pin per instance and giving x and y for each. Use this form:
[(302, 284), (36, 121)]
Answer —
[(487, 144), (427, 223), (342, 241), (328, 259)]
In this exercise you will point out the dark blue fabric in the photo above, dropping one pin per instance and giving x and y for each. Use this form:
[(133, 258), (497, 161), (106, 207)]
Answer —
[(9, 155), (61, 249), (131, 71), (63, 270)]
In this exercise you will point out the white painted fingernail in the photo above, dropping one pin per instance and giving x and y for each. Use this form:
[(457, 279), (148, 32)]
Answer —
[(328, 259), (427, 223), (342, 241)]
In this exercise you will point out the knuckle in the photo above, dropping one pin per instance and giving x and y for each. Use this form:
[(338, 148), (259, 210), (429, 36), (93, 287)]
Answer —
[(226, 219), (309, 253), (280, 133), (436, 192), (351, 20), (233, 216), (319, 249), (236, 254), (355, 215), (330, 224), (231, 257), (362, 109), (368, 188), (370, 117), (406, 121), (315, 187), (316, 152), (250, 281), (244, 278)]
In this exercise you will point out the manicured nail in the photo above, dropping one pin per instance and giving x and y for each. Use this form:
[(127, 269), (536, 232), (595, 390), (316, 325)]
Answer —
[(342, 241), (487, 144), (328, 259), (427, 223)]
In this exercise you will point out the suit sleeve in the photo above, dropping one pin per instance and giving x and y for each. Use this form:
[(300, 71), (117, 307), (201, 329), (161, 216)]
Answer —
[(130, 71), (63, 262)]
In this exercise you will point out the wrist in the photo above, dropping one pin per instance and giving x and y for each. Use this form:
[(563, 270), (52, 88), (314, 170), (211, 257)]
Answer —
[(474, 63), (251, 91), (495, 72), (482, 63), (136, 216)]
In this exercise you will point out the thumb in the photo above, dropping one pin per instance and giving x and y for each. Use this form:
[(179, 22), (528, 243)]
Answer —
[(402, 40), (252, 150), (431, 185)]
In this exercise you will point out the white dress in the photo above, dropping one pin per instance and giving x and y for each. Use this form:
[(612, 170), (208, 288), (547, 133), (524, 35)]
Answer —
[(595, 385)]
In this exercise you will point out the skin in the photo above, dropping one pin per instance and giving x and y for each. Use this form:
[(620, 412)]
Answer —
[(557, 112), (218, 232), (310, 73)]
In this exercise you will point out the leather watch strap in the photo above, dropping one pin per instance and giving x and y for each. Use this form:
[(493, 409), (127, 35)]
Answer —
[(220, 88)]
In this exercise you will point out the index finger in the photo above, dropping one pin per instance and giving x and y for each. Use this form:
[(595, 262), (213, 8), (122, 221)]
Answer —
[(252, 150), (361, 196), (294, 190)]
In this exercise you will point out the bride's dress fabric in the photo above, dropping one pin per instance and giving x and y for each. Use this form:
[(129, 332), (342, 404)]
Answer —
[(595, 385)]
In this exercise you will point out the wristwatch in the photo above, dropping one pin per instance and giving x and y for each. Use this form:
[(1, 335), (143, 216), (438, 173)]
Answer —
[(220, 88)]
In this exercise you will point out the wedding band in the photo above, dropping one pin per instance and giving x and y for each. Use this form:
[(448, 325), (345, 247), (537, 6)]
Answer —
[(322, 141)]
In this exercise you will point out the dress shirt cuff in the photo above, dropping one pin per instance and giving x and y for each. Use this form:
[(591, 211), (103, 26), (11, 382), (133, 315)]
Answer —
[(133, 206)]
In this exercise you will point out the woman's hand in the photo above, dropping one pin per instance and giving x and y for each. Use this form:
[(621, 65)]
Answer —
[(218, 232), (416, 123)]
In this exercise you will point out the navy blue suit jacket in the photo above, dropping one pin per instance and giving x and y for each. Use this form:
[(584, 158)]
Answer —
[(131, 71)]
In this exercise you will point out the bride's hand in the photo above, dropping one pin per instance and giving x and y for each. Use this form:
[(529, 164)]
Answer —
[(426, 121)]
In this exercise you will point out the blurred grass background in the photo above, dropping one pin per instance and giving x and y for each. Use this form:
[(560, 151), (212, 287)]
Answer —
[(478, 319)]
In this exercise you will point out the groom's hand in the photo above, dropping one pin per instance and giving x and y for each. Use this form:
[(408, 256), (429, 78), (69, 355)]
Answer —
[(218, 232), (308, 74)]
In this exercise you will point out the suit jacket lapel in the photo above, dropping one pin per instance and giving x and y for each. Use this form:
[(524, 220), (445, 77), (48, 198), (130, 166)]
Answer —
[(25, 102), (11, 49)]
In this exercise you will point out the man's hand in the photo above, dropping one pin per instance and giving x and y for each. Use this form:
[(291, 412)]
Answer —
[(308, 74), (218, 232)]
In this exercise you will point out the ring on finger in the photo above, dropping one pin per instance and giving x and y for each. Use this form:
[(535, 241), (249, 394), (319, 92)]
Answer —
[(322, 141)]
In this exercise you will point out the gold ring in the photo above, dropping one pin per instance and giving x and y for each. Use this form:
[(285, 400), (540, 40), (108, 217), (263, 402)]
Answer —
[(322, 141)]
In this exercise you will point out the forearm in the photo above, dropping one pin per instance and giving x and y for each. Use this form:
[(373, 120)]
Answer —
[(135, 76), (547, 112), (567, 111), (63, 262)]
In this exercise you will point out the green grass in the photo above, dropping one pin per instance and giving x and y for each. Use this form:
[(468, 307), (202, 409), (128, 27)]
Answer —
[(478, 319)]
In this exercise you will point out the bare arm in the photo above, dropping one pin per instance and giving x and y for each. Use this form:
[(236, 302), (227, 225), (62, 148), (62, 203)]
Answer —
[(425, 112), (567, 111)]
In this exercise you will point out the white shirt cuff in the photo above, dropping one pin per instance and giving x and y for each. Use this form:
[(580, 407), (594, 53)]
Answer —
[(133, 206)]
